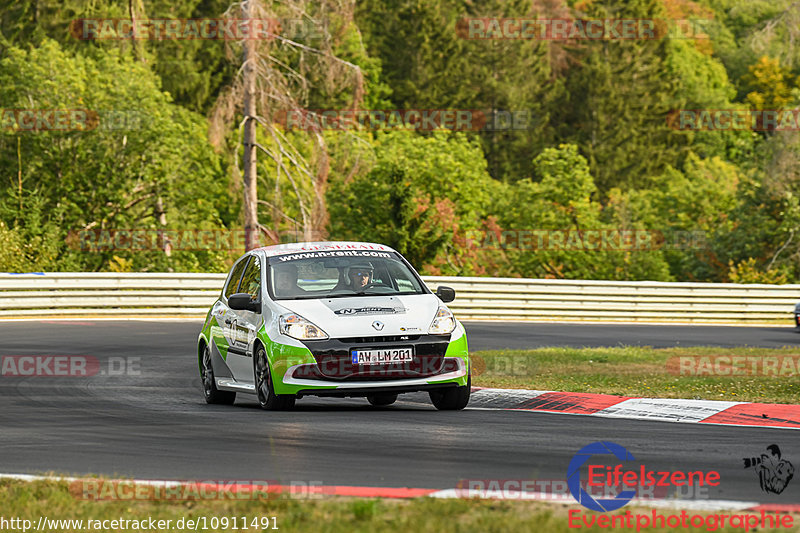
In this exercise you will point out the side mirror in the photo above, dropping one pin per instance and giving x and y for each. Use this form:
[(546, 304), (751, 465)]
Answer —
[(446, 294), (241, 301)]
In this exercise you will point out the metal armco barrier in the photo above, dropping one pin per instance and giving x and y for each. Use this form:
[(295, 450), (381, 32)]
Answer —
[(190, 295)]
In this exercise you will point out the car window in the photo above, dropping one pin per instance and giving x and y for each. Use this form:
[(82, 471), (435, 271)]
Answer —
[(402, 276), (234, 277), (340, 274), (315, 277), (251, 281)]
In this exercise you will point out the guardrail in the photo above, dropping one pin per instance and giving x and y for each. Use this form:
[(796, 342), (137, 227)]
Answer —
[(190, 295)]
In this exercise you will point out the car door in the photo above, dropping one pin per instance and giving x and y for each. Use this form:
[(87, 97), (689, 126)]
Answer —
[(222, 333), (245, 325)]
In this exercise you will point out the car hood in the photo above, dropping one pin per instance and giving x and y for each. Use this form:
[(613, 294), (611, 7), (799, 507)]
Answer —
[(350, 317)]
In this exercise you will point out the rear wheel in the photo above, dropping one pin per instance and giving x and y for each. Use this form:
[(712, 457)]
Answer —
[(266, 392), (382, 400), (210, 391), (452, 399)]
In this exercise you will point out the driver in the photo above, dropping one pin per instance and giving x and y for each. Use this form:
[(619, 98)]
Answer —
[(286, 281), (360, 276)]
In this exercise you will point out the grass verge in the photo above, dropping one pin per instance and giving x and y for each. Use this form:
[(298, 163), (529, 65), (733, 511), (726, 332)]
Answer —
[(53, 499), (739, 374)]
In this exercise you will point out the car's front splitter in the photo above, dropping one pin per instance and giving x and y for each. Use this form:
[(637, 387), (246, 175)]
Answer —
[(321, 387)]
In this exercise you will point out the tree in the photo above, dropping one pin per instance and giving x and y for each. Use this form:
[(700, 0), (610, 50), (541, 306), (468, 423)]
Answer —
[(277, 75), (616, 102), (771, 85), (430, 62), (692, 208), (137, 161), (568, 236), (421, 195)]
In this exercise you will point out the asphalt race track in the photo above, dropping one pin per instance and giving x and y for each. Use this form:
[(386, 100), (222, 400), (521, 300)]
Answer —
[(151, 422), (489, 336)]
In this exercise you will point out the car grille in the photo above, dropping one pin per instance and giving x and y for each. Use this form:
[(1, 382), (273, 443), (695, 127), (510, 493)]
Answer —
[(379, 340), (334, 360), (371, 372)]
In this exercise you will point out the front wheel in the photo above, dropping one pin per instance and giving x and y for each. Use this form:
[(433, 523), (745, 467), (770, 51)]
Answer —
[(210, 391), (452, 399), (266, 392)]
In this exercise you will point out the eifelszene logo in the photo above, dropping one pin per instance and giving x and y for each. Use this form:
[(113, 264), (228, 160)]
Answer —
[(574, 476), (614, 478), (774, 473)]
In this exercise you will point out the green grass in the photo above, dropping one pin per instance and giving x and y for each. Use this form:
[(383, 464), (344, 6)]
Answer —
[(635, 371), (330, 515)]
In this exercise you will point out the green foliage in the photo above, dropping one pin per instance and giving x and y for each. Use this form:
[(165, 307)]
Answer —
[(561, 204), (135, 150), (429, 64), (616, 103), (748, 272), (596, 150), (690, 208), (192, 71), (744, 30), (13, 257), (771, 84), (419, 196)]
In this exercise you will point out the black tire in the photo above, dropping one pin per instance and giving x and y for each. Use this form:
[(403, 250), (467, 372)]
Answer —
[(210, 391), (263, 379), (452, 399), (382, 400)]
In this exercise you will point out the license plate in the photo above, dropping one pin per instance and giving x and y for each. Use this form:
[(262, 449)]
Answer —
[(382, 356)]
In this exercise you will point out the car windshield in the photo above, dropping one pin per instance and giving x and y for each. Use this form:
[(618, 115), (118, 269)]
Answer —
[(340, 274)]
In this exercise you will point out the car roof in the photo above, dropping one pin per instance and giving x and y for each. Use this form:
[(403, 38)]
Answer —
[(294, 247)]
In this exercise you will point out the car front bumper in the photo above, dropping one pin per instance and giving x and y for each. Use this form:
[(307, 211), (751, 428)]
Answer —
[(456, 370), (326, 369)]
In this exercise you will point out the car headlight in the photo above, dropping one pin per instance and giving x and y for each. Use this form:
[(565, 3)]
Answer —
[(298, 327), (443, 323)]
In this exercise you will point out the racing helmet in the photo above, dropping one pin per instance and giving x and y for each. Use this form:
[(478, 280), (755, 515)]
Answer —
[(356, 274)]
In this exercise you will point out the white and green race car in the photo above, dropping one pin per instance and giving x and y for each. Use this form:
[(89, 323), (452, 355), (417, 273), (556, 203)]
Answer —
[(338, 319)]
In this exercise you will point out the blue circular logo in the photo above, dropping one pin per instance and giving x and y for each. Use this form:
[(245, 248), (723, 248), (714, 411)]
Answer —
[(574, 476)]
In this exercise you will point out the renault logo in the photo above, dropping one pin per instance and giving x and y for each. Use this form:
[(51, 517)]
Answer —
[(377, 325)]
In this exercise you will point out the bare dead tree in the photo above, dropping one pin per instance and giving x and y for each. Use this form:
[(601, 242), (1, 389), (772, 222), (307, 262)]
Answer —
[(137, 52), (783, 29), (278, 74), (249, 60)]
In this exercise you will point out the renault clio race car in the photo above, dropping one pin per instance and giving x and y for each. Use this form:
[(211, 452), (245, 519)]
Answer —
[(342, 319)]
